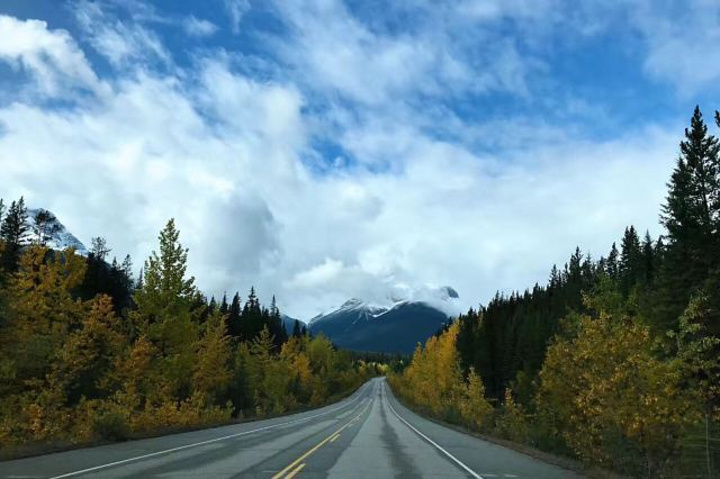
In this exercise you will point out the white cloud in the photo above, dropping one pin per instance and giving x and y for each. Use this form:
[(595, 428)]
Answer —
[(683, 43), (198, 27), (490, 10), (236, 9), (52, 57), (122, 43), (319, 276), (230, 157), (333, 49), (680, 41)]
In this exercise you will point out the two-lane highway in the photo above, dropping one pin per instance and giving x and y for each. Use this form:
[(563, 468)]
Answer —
[(366, 435)]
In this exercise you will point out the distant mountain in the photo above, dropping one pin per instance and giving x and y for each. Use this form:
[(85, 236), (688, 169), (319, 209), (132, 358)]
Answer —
[(394, 328), (289, 323), (58, 237)]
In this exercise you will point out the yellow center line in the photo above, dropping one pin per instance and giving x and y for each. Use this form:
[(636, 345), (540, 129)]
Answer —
[(295, 471), (335, 437), (315, 448)]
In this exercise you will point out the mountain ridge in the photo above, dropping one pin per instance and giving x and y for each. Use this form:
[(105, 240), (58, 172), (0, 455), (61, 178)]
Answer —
[(56, 235), (396, 328)]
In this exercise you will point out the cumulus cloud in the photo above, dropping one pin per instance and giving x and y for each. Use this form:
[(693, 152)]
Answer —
[(51, 57), (198, 27), (420, 196)]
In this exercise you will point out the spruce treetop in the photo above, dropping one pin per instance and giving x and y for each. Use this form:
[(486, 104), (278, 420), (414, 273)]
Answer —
[(164, 278)]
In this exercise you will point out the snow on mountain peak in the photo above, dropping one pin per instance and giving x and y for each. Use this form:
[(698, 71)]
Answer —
[(444, 299), (352, 303), (56, 235)]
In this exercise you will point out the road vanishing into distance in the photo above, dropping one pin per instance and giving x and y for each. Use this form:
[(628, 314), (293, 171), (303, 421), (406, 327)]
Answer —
[(368, 435)]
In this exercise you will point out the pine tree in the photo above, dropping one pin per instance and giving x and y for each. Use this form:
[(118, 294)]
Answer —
[(165, 285), (555, 278), (691, 216), (127, 268), (630, 260), (212, 306), (139, 283), (691, 213), (648, 259), (44, 226), (14, 233), (167, 312), (252, 317), (700, 152), (274, 311), (297, 332), (224, 305), (613, 267), (234, 325), (99, 248), (277, 328)]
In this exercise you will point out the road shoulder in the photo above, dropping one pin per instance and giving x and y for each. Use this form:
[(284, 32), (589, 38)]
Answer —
[(555, 460)]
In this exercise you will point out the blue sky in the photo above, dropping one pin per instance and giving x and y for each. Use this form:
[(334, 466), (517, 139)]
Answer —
[(323, 149)]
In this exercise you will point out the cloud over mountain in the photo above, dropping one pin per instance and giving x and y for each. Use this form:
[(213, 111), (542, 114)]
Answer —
[(335, 151)]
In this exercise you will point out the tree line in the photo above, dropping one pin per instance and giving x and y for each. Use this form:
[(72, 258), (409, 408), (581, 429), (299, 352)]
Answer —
[(88, 353), (615, 361)]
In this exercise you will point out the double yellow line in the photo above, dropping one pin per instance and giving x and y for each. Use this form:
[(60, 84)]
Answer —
[(293, 468)]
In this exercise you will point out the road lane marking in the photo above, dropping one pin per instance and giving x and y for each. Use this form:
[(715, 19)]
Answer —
[(317, 446), (334, 438), (440, 448), (201, 443), (295, 471)]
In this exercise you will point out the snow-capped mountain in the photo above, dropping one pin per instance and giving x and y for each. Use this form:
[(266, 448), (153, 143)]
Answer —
[(55, 234), (395, 327)]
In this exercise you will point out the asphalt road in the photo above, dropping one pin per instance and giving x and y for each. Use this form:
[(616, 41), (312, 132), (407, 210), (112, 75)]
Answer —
[(368, 435)]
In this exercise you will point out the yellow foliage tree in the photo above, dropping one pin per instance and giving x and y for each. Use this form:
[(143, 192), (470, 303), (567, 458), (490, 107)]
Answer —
[(475, 410), (606, 388), (87, 355), (433, 379), (211, 374), (511, 422), (41, 315)]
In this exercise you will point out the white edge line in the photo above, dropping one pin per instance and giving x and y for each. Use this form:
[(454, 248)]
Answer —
[(440, 448), (202, 443)]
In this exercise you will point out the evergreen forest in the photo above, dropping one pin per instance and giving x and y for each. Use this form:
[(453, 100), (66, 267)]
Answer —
[(616, 360)]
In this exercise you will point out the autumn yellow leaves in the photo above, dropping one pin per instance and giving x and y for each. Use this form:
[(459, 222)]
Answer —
[(608, 393), (74, 370)]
